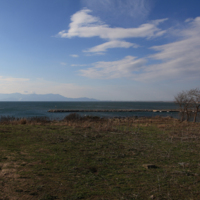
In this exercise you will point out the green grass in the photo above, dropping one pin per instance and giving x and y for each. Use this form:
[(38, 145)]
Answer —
[(62, 161)]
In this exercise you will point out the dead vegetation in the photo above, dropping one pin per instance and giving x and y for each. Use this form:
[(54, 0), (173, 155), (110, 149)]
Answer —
[(99, 158), (32, 120)]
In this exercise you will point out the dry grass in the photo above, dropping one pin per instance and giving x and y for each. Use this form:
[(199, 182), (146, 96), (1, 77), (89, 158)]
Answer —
[(15, 121), (94, 158)]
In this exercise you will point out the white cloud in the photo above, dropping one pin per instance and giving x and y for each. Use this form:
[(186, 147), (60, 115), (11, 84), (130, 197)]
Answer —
[(189, 20), (115, 69), (120, 10), (78, 65), (110, 92), (74, 55), (41, 86), (85, 25), (179, 60), (63, 63), (111, 44), (11, 79)]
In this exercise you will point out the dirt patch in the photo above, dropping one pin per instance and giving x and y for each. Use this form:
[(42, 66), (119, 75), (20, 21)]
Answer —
[(7, 175), (8, 170), (11, 183)]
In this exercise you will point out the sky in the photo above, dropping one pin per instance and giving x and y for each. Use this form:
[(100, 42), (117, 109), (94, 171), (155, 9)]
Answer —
[(110, 50)]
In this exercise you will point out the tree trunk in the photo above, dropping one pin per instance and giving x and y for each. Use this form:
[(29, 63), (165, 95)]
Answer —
[(195, 114), (182, 115), (188, 115)]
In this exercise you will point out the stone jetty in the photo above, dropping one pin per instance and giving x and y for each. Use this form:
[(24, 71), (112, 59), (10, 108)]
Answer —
[(111, 110)]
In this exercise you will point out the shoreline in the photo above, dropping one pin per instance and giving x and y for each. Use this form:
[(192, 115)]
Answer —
[(113, 110)]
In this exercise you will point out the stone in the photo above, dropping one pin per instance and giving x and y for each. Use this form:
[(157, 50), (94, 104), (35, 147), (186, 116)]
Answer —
[(152, 197), (183, 164), (149, 166)]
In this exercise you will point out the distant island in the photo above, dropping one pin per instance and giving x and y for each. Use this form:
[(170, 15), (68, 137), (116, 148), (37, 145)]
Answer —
[(40, 97)]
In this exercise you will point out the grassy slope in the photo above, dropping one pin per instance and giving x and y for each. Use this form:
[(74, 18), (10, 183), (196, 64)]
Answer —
[(100, 160)]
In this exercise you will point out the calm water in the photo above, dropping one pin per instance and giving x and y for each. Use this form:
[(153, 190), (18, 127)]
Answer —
[(31, 109)]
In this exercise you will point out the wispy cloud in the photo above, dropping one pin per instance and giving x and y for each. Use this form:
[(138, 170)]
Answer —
[(78, 65), (74, 55), (137, 10), (11, 79), (41, 86), (115, 69), (179, 60), (111, 44), (63, 63), (85, 25)]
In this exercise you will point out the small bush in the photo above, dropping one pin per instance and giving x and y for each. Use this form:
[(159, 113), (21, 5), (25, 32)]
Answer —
[(11, 119), (23, 121), (42, 119), (92, 118), (6, 119), (73, 117)]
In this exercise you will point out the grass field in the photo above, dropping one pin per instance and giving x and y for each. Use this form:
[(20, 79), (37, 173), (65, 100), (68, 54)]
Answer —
[(92, 158)]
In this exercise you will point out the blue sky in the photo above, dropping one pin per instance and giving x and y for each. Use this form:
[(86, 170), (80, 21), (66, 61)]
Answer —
[(117, 50)]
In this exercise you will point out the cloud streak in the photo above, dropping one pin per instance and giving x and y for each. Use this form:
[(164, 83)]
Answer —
[(11, 79), (74, 55), (78, 65), (115, 69), (63, 63), (179, 60), (120, 10), (85, 25), (111, 44)]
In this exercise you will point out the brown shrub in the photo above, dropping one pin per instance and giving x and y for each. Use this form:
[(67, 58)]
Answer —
[(23, 121)]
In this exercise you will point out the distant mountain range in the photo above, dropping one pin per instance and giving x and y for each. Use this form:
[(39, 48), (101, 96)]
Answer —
[(40, 97)]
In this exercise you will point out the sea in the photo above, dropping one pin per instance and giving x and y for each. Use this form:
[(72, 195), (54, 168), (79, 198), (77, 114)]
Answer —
[(40, 109)]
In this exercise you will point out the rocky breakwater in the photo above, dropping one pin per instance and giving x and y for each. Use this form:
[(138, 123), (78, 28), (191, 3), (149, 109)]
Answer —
[(110, 110)]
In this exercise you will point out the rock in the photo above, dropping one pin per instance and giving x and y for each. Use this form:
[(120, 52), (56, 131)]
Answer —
[(155, 111), (152, 197), (183, 164), (149, 166)]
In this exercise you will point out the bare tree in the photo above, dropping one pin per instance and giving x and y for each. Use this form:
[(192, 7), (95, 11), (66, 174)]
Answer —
[(183, 99), (195, 100)]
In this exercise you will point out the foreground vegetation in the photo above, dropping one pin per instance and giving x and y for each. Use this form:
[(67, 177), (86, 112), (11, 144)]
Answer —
[(93, 158), (189, 104)]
